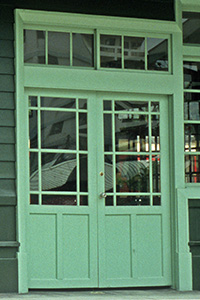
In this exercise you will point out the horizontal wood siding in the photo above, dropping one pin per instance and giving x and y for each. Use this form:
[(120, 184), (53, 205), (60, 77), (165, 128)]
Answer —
[(8, 245)]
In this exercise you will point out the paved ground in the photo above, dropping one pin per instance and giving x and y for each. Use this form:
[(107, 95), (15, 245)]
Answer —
[(115, 294)]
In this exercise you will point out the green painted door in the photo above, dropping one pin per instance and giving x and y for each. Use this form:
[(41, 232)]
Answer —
[(98, 213)]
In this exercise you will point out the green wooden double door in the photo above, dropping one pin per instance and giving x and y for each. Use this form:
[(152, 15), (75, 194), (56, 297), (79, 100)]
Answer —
[(98, 211)]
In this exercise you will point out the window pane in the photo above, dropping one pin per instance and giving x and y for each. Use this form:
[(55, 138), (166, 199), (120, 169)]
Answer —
[(134, 53), (84, 200), (157, 56), (34, 199), (157, 200), (58, 102), (59, 172), (110, 51), (131, 132), (33, 129), (191, 28), (32, 100), (58, 48), (107, 132), (54, 135), (82, 131), (132, 173), (83, 165), (107, 105), (191, 106), (131, 106), (155, 107), (82, 103), (192, 137), (109, 201), (133, 200), (33, 171), (59, 200), (83, 50), (191, 75), (156, 173), (155, 138), (34, 46), (108, 173), (192, 168)]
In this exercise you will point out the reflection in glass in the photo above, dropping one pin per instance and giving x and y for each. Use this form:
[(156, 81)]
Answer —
[(131, 132), (82, 103), (33, 171), (192, 168), (108, 164), (59, 200), (156, 173), (155, 139), (133, 200), (132, 173), (131, 106), (34, 46), (83, 50), (191, 75), (33, 128), (58, 48), (107, 132), (110, 51), (82, 131), (157, 200), (58, 102), (34, 199), (59, 172), (192, 137), (155, 106), (107, 105), (191, 106), (134, 53), (84, 200), (83, 165), (191, 25), (157, 56), (109, 201), (32, 100), (51, 137)]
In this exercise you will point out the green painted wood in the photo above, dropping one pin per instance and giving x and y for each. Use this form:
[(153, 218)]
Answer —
[(8, 274), (6, 83), (7, 223), (9, 244), (7, 152), (6, 66), (7, 170), (7, 48), (7, 100), (6, 31), (7, 135), (7, 118), (6, 14), (8, 252)]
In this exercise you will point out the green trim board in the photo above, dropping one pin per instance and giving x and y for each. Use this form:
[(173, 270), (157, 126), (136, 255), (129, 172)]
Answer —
[(54, 81)]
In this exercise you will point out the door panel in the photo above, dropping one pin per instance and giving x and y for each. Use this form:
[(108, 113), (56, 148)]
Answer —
[(98, 214)]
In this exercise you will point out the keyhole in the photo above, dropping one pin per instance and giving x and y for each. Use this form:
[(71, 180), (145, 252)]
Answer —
[(101, 173)]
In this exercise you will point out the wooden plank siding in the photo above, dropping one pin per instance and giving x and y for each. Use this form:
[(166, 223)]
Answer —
[(8, 244)]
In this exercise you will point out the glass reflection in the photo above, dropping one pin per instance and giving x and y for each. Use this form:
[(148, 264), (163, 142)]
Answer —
[(83, 50), (191, 106), (83, 165), (156, 173), (59, 200), (131, 132), (155, 139), (34, 46), (110, 51), (33, 171), (132, 173), (191, 25), (191, 75), (58, 102), (82, 131), (58, 130), (134, 53), (133, 200), (155, 106), (157, 56), (108, 165), (192, 168), (192, 137), (58, 48), (131, 106), (33, 128), (59, 172), (107, 132), (82, 103)]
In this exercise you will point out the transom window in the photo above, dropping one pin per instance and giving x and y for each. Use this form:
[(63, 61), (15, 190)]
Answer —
[(89, 49)]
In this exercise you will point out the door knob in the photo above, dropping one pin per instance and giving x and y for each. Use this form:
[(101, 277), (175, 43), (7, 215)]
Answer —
[(103, 195)]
